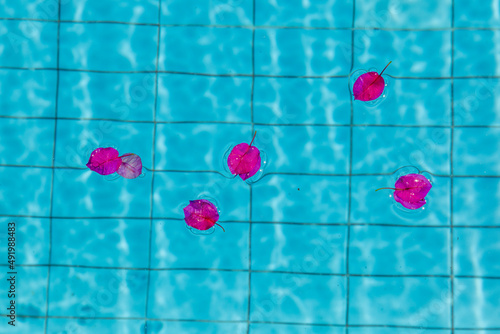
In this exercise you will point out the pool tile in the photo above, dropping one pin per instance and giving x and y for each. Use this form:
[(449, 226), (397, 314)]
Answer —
[(400, 301), (203, 99), (220, 250), (409, 102), (418, 53), (427, 148), (296, 13), (315, 52), (476, 251), (34, 198), (224, 50), (206, 142), (368, 206), (101, 242), (83, 193), (23, 325), (92, 326), (294, 329), (29, 9), (300, 199), (403, 330), (31, 141), (28, 93), (31, 238), (322, 248), (133, 11), (467, 14), (387, 250), (476, 151), (314, 149), (476, 101), (301, 101), (168, 327), (288, 297), (476, 53), (483, 294), (407, 14), (199, 295), (108, 47), (121, 96), (77, 139), (475, 201), (215, 12), (28, 43), (173, 191), (97, 293)]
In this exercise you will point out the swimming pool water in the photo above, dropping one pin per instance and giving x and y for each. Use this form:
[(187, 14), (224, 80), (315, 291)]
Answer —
[(308, 248)]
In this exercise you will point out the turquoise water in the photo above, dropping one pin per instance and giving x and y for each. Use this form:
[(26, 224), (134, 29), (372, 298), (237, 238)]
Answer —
[(309, 247)]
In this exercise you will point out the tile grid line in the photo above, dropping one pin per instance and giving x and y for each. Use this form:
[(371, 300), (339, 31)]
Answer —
[(348, 237), (250, 186), (151, 202), (51, 210), (452, 271)]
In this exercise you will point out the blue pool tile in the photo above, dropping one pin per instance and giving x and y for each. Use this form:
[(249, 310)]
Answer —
[(483, 294), (34, 199), (198, 295), (387, 250), (196, 327), (23, 325), (217, 12), (93, 326), (320, 149), (210, 141), (468, 14), (77, 139), (28, 43), (302, 52), (108, 47), (134, 11), (30, 141), (322, 248), (476, 151), (476, 251), (203, 98), (101, 242), (30, 291), (206, 50), (368, 206), (78, 292), (173, 191), (407, 14), (296, 13), (27, 93), (288, 297), (300, 199), (475, 53), (31, 238), (119, 96), (294, 101), (29, 9), (409, 102), (387, 330), (428, 148), (220, 250), (476, 101), (98, 196), (400, 301), (414, 53), (475, 201), (294, 329)]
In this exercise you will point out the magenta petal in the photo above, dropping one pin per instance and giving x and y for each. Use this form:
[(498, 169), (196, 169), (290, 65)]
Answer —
[(368, 86), (131, 166), (104, 161), (411, 190), (409, 205), (244, 160), (201, 214)]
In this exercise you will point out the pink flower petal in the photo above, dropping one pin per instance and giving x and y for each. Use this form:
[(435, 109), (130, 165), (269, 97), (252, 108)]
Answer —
[(104, 161), (368, 86), (201, 214), (410, 190), (244, 160), (131, 166)]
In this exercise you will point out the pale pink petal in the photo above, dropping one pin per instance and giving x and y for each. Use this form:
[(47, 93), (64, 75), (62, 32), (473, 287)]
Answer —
[(131, 166)]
